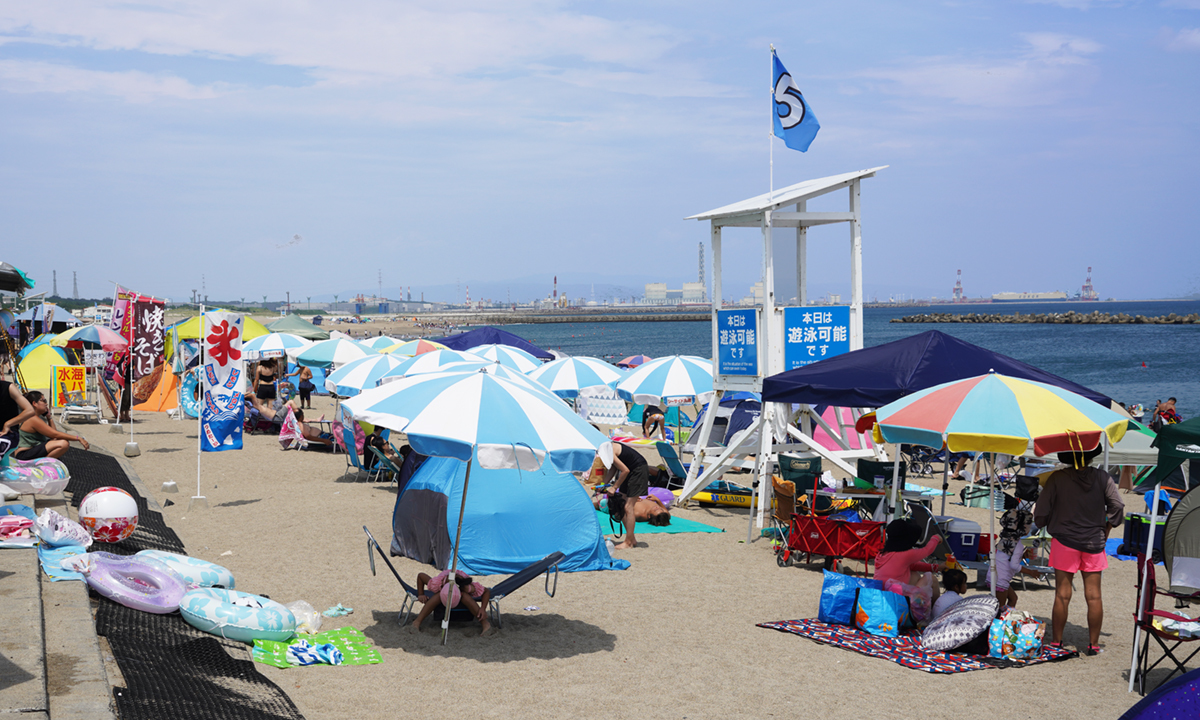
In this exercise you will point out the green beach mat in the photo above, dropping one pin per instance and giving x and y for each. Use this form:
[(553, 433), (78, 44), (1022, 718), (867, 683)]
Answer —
[(355, 648), (678, 525)]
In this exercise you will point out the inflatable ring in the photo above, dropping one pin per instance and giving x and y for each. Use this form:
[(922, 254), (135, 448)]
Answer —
[(43, 476), (139, 584), (194, 571), (187, 394), (251, 618)]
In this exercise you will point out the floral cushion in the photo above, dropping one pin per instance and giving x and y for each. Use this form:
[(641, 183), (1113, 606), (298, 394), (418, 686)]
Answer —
[(962, 623)]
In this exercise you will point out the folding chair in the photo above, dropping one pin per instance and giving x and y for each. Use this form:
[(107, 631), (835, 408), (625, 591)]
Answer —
[(1147, 590), (350, 441), (382, 465), (676, 467), (499, 591)]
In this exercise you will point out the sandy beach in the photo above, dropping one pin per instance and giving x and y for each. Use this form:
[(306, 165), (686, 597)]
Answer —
[(674, 636)]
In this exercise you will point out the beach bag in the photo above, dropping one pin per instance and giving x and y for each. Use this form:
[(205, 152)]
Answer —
[(881, 613), (837, 596), (54, 529), (1015, 636)]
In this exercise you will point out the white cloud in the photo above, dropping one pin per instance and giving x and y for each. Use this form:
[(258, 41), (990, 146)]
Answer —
[(138, 87), (1049, 68), (1080, 4), (1181, 40)]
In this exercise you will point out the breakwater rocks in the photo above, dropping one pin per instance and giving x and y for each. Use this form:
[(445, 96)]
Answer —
[(508, 318), (1067, 318)]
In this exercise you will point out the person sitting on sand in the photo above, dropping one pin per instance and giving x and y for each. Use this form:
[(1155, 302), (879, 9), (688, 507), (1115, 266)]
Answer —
[(955, 584), (901, 558), (654, 422), (629, 474), (39, 437), (473, 596)]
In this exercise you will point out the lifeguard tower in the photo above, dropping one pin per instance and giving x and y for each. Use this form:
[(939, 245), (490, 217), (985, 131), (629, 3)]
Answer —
[(749, 344)]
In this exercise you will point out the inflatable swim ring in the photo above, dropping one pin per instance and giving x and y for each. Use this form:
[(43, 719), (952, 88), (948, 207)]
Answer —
[(187, 394), (141, 584), (194, 571), (237, 615), (44, 476)]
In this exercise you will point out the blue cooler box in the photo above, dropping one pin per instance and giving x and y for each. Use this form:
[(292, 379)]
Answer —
[(1137, 532), (962, 535)]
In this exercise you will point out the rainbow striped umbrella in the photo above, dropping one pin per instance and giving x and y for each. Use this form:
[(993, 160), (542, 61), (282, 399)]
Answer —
[(998, 413)]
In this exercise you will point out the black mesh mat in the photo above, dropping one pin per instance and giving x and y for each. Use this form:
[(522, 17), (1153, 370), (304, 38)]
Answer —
[(171, 669)]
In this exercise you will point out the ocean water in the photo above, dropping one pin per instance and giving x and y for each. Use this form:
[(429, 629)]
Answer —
[(1129, 363)]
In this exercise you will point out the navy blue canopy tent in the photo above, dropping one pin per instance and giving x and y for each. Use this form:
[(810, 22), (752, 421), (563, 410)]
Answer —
[(875, 376), (490, 336)]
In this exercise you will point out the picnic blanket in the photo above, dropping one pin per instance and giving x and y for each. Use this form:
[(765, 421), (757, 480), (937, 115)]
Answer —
[(906, 649), (356, 649), (678, 525)]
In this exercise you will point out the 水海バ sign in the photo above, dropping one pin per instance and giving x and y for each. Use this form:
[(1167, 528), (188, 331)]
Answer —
[(812, 334), (737, 342)]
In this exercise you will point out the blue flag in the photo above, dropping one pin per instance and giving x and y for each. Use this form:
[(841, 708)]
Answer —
[(794, 119)]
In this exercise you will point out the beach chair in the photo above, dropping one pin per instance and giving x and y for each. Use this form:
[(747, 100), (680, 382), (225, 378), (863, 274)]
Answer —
[(1168, 643), (499, 591), (350, 441), (676, 467), (382, 465)]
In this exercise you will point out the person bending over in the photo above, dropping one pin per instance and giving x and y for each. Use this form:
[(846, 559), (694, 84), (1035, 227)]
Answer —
[(648, 509), (1080, 506), (474, 597), (654, 422), (38, 436), (629, 474)]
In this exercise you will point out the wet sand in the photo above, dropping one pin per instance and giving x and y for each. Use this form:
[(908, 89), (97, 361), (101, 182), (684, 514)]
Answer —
[(673, 636)]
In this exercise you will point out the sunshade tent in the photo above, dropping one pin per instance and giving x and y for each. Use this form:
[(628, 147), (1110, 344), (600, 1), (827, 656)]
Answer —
[(875, 376), (35, 369), (489, 336), (14, 280), (508, 356), (998, 414), (566, 377), (43, 339), (296, 325), (551, 509), (477, 417), (60, 319), (333, 353)]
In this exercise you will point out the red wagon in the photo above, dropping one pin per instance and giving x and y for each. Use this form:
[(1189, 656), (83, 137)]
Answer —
[(835, 539)]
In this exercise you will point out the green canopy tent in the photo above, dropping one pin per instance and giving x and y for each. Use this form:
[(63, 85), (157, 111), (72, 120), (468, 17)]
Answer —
[(297, 325)]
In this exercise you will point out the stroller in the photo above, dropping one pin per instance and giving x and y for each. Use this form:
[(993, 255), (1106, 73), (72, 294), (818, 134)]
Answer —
[(920, 459)]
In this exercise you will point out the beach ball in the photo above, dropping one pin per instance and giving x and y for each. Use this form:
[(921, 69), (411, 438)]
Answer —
[(109, 514), (450, 594)]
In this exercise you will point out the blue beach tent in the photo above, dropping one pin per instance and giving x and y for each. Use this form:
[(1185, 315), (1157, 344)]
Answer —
[(489, 336), (513, 518), (875, 376)]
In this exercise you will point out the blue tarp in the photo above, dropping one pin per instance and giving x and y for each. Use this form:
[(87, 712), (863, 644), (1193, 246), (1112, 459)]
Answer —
[(873, 377), (490, 336), (513, 519)]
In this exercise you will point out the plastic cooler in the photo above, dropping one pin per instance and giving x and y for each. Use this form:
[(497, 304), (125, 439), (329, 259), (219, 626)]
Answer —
[(962, 536), (1137, 532)]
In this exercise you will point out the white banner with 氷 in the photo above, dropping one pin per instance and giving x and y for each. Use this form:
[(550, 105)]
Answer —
[(222, 408)]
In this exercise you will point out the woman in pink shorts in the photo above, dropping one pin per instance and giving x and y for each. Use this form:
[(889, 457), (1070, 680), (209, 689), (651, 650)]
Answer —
[(1080, 505)]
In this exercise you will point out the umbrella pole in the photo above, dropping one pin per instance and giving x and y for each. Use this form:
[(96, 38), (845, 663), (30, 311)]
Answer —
[(457, 536), (992, 519), (895, 484), (945, 480)]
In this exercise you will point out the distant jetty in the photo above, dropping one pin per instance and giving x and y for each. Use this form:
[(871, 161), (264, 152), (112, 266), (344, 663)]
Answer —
[(1066, 318), (574, 315)]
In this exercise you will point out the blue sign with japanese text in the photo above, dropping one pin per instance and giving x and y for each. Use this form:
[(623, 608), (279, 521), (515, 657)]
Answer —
[(737, 342), (811, 334)]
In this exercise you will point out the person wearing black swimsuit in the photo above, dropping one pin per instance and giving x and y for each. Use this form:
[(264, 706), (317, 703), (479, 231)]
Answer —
[(264, 381)]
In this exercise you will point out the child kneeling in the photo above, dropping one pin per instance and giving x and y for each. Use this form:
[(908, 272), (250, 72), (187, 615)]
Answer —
[(472, 595)]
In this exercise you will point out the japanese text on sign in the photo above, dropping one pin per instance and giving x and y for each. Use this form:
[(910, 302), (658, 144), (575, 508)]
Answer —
[(813, 334), (737, 342), (69, 379)]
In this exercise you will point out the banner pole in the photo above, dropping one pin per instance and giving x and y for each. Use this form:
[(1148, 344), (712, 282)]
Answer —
[(771, 132), (199, 422)]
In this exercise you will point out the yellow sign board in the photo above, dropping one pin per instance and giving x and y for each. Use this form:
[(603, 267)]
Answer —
[(68, 379)]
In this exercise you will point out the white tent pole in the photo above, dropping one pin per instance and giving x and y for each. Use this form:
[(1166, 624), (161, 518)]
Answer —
[(895, 484), (199, 417), (1141, 606), (457, 536)]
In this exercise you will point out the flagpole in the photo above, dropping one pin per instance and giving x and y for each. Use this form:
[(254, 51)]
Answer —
[(771, 132), (199, 418)]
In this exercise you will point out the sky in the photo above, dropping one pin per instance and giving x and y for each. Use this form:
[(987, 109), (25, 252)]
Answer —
[(256, 148)]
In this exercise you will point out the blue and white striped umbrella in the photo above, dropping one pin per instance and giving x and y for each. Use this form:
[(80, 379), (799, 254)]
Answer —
[(673, 377), (333, 353), (358, 375), (566, 377), (515, 358), (432, 362), (502, 423), (380, 342), (275, 345)]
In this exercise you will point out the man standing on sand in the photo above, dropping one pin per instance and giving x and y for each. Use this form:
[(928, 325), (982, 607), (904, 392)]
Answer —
[(629, 473)]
